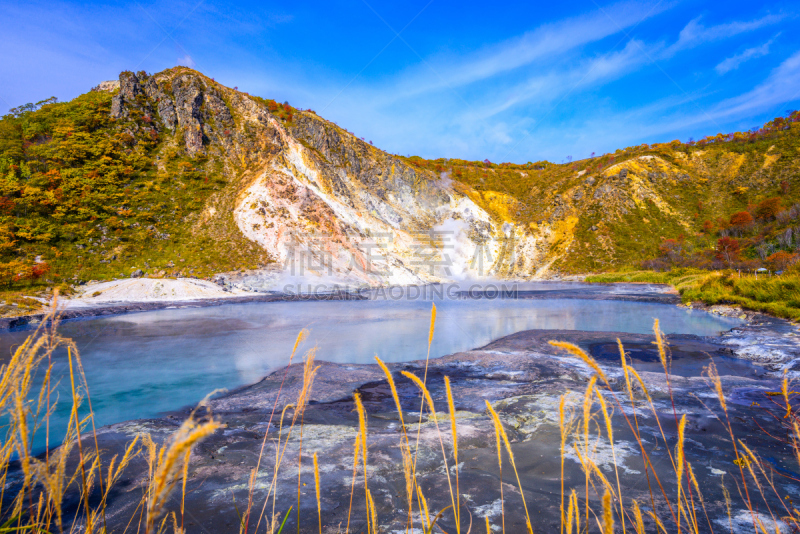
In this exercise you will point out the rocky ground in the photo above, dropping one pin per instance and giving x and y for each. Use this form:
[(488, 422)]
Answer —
[(523, 377)]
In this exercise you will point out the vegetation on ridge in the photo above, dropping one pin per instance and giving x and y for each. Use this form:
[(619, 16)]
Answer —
[(84, 196), (624, 205)]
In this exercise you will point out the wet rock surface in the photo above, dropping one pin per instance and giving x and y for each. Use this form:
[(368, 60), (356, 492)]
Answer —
[(523, 377)]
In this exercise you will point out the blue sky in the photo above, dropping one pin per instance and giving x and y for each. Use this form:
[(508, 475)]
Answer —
[(528, 81)]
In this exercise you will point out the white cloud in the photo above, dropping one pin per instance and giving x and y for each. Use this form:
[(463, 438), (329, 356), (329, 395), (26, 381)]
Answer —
[(542, 44), (733, 62), (670, 117), (781, 86), (185, 61), (550, 86), (694, 33)]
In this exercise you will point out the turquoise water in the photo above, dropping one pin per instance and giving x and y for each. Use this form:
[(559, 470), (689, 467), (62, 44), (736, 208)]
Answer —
[(140, 365)]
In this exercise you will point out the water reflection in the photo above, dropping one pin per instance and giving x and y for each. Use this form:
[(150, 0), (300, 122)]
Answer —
[(140, 365)]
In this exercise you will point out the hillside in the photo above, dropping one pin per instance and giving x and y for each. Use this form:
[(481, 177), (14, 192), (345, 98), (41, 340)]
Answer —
[(174, 174), (616, 210)]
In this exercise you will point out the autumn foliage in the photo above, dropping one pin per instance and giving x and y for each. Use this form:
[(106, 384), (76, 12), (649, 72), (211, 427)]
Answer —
[(728, 249), (769, 208), (741, 218), (781, 260)]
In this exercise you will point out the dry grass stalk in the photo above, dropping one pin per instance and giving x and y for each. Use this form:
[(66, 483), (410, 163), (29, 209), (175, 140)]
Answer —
[(301, 336), (427, 396), (608, 514), (395, 396), (185, 477), (425, 379), (373, 513), (410, 478), (426, 516), (785, 392), (454, 432), (679, 464), (713, 375), (356, 448), (169, 462), (309, 374), (610, 433), (587, 419), (498, 428), (577, 351), (316, 487), (498, 443), (408, 467), (362, 427), (562, 425), (638, 524), (663, 356), (573, 512)]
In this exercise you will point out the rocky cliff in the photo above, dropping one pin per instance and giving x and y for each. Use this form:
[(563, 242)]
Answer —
[(174, 174), (320, 201)]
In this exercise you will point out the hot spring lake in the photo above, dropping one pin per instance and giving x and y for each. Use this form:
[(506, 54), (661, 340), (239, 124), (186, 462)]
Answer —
[(143, 364)]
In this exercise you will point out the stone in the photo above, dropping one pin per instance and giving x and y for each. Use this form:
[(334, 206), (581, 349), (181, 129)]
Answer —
[(138, 273), (521, 375)]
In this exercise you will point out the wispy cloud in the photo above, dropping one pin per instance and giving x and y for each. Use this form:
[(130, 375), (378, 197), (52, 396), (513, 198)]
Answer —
[(542, 44), (695, 33), (186, 61), (674, 117), (733, 62), (781, 87), (594, 81), (546, 87)]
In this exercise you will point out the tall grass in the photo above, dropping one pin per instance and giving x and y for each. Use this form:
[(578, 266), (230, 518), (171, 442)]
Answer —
[(600, 505), (774, 295)]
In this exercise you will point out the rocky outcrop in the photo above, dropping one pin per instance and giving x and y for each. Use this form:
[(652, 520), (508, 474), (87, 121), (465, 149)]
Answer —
[(320, 201), (522, 376)]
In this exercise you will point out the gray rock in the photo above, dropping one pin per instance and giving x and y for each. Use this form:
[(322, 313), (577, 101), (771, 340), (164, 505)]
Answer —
[(604, 190), (137, 273), (129, 89)]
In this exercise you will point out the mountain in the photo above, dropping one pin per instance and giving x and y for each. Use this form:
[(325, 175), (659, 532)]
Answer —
[(175, 174)]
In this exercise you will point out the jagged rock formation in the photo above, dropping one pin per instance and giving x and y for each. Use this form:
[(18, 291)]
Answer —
[(320, 201), (176, 175)]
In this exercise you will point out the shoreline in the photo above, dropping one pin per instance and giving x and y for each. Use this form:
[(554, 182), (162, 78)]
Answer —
[(122, 307)]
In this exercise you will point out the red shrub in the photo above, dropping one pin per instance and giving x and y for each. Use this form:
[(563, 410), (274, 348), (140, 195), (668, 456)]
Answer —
[(39, 270), (727, 249), (769, 208), (781, 260), (741, 218)]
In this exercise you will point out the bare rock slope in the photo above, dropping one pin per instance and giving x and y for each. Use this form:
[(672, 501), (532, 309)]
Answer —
[(321, 201)]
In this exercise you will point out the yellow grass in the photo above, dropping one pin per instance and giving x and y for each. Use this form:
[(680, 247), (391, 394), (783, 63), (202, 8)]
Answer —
[(498, 428), (584, 425), (316, 487)]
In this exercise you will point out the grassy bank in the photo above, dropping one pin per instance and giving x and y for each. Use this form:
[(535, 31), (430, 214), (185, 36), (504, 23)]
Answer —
[(775, 295)]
